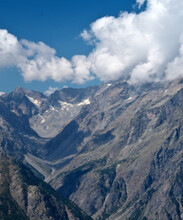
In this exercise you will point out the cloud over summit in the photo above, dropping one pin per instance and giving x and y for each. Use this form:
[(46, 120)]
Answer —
[(140, 47)]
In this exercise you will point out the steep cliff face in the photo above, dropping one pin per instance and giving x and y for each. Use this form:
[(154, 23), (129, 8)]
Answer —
[(123, 153), (23, 196), (16, 135)]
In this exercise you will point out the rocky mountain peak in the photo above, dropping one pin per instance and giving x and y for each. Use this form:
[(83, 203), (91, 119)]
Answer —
[(72, 95), (20, 90)]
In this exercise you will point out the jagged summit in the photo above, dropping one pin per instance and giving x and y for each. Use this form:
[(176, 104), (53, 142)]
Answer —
[(24, 91), (72, 95), (20, 89)]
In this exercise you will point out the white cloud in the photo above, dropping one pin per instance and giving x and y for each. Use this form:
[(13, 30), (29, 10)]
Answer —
[(81, 67), (39, 49), (141, 47), (11, 51), (138, 47), (175, 68), (42, 64), (43, 68), (140, 2), (85, 35), (50, 90), (37, 61)]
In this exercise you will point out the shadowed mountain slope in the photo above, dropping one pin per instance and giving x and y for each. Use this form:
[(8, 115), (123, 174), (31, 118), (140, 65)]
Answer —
[(23, 196)]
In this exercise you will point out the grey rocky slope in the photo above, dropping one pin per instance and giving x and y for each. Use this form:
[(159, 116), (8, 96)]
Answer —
[(23, 196), (121, 157), (26, 114), (35, 199), (48, 115)]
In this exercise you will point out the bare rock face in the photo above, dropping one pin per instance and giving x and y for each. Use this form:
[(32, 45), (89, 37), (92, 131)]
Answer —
[(48, 115), (23, 196), (16, 135), (121, 157)]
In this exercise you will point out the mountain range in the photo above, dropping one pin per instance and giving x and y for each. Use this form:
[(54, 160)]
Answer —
[(114, 150)]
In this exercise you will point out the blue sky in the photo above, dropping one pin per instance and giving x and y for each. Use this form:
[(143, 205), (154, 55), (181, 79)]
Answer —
[(57, 23)]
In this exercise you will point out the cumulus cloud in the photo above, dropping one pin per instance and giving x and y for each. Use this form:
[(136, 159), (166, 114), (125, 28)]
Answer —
[(11, 51), (81, 67), (36, 61), (139, 47), (85, 35), (50, 90)]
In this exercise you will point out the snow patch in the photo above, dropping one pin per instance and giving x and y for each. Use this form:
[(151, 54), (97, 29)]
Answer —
[(129, 98), (52, 108), (65, 105), (43, 119), (109, 84), (52, 171), (34, 101), (85, 102)]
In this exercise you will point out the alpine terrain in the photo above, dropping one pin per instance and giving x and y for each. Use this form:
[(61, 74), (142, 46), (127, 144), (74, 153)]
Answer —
[(114, 150)]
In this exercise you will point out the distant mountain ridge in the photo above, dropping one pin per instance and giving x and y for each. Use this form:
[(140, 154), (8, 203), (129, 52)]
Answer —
[(48, 115)]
